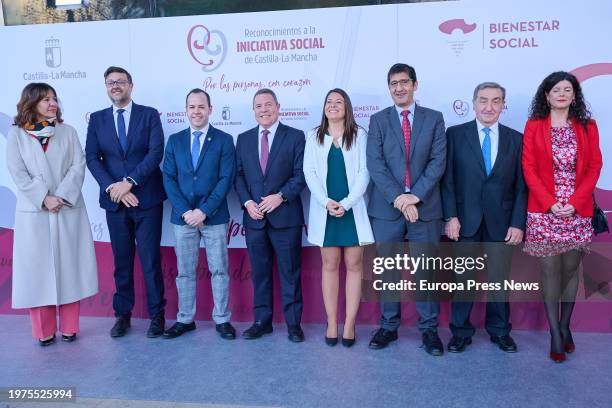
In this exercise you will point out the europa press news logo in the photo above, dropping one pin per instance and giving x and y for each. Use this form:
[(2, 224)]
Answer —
[(53, 53), (207, 47), (457, 29)]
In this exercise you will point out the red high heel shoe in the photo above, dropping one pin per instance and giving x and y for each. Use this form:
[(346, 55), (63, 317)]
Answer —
[(569, 347), (557, 357)]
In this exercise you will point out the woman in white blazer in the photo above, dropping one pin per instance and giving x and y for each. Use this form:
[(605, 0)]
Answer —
[(336, 174), (54, 262)]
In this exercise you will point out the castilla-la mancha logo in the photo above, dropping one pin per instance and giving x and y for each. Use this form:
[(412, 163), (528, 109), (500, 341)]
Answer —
[(53, 53), (207, 47)]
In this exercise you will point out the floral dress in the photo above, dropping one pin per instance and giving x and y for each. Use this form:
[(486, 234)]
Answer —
[(547, 234)]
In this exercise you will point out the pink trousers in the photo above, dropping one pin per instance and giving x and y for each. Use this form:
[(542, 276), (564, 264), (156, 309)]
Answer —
[(44, 321)]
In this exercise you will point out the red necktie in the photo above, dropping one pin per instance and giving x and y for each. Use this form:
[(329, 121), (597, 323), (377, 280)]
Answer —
[(406, 132), (265, 150)]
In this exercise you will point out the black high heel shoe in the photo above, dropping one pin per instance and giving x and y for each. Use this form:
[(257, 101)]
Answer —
[(331, 341), (349, 342), (48, 342)]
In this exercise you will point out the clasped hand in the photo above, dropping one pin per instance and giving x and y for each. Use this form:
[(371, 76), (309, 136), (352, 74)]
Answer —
[(335, 209), (120, 192), (562, 211), (406, 203), (53, 203)]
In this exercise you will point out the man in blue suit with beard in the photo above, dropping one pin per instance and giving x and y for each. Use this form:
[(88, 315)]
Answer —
[(125, 144)]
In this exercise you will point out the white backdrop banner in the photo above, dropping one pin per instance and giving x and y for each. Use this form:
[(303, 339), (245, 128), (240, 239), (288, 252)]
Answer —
[(301, 55)]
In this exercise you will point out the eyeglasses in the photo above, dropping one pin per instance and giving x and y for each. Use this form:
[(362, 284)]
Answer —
[(121, 83), (402, 82)]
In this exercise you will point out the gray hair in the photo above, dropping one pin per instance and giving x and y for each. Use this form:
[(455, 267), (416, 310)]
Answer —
[(486, 85), (265, 91)]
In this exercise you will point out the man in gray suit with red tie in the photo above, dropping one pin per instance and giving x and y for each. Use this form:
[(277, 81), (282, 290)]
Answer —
[(406, 158)]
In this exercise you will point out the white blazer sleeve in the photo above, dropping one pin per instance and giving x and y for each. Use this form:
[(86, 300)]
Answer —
[(360, 183), (69, 188), (315, 184), (32, 188)]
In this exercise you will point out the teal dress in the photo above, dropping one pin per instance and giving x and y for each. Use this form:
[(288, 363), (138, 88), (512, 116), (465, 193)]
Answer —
[(339, 231)]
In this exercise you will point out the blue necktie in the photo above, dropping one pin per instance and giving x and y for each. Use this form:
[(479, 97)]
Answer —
[(123, 140), (486, 150), (195, 148)]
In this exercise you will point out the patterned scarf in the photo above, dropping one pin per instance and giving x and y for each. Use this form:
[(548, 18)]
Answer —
[(42, 131)]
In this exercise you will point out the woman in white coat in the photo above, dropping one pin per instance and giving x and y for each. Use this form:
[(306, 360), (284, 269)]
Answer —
[(54, 263), (336, 174)]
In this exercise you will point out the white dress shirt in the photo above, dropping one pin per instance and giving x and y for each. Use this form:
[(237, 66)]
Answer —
[(410, 115), (272, 129), (494, 134), (126, 116), (202, 136)]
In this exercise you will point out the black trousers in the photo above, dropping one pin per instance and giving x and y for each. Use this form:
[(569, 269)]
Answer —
[(132, 228), (286, 243), (498, 263)]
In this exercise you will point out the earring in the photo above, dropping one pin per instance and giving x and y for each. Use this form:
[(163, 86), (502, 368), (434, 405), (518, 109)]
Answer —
[(573, 102)]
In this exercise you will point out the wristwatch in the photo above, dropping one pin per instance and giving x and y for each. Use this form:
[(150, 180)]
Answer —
[(280, 193)]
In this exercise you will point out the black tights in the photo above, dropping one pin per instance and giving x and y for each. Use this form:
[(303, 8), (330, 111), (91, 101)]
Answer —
[(559, 286)]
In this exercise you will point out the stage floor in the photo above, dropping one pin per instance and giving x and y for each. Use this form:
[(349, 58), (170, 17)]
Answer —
[(200, 369)]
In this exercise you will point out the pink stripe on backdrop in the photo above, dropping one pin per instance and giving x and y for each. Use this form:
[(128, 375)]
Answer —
[(589, 316)]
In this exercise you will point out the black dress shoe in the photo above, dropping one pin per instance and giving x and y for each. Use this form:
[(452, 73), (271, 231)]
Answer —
[(432, 343), (458, 344), (178, 329), (70, 338), (382, 338), (296, 334), (48, 342), (226, 330), (156, 328), (505, 343), (121, 327), (257, 330)]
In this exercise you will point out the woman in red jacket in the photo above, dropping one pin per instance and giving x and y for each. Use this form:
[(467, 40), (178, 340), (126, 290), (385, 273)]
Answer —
[(561, 165)]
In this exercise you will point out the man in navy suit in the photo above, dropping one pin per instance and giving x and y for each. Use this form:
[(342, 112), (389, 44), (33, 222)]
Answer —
[(406, 156), (485, 201), (269, 180), (125, 144), (199, 166)]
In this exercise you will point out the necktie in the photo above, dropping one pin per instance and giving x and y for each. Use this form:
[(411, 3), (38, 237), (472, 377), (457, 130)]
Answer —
[(406, 132), (195, 148), (265, 150), (486, 150), (121, 130)]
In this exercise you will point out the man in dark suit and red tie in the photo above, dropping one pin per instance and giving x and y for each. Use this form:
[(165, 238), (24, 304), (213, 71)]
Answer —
[(406, 157), (485, 201), (269, 180), (124, 147)]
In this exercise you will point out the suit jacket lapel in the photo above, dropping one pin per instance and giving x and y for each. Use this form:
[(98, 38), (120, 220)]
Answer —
[(397, 128), (208, 137), (252, 142), (503, 149), (185, 147), (131, 132), (417, 125), (473, 139), (276, 145), (110, 119)]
